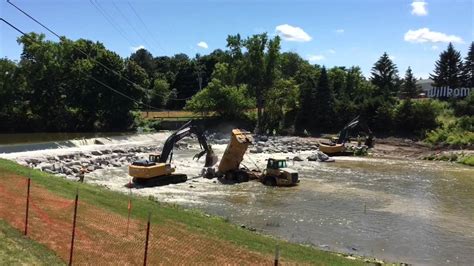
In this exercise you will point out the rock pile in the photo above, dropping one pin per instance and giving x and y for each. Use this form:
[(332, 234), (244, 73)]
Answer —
[(73, 166)]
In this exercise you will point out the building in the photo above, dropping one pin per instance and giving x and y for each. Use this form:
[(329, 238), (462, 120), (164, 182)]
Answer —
[(441, 92)]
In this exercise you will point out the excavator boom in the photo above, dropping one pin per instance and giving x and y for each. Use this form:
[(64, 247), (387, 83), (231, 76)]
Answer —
[(186, 130)]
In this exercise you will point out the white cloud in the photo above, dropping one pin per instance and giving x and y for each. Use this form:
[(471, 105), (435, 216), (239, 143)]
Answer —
[(290, 33), (339, 31), (316, 58), (331, 51), (419, 8), (392, 57), (136, 48), (203, 45), (434, 47), (426, 35)]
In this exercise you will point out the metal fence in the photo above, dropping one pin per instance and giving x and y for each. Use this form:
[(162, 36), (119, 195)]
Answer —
[(81, 233)]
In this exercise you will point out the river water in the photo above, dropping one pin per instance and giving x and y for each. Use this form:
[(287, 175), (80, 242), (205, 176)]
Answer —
[(411, 211)]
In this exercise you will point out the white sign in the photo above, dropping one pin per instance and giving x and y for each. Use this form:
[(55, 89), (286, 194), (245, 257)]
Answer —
[(448, 92)]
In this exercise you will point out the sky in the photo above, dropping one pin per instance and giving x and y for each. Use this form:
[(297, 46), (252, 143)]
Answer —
[(330, 32)]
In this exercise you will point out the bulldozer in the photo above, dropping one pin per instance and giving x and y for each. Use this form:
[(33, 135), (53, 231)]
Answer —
[(276, 174), (157, 169)]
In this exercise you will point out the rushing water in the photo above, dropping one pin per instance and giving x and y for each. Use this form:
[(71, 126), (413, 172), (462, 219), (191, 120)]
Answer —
[(410, 211)]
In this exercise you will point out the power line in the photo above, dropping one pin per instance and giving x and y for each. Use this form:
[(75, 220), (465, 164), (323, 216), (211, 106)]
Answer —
[(130, 24), (109, 19), (145, 26), (89, 75), (87, 55)]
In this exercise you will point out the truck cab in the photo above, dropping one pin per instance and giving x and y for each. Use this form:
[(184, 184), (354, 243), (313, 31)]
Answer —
[(277, 173)]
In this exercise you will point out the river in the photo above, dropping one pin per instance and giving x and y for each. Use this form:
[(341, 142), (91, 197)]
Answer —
[(411, 211)]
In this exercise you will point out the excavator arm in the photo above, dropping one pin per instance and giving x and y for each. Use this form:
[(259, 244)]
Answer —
[(355, 125), (186, 130)]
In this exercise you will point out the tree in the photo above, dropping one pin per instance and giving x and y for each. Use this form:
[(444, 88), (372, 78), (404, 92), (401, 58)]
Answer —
[(447, 72), (281, 104), (468, 68), (144, 59), (409, 87), (385, 76), (160, 93), (323, 106)]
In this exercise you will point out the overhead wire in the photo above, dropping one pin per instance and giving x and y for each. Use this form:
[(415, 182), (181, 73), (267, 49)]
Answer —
[(86, 54), (88, 74), (111, 21), (131, 25), (145, 25)]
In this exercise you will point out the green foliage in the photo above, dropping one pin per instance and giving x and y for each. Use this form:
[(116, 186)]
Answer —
[(468, 69), (160, 93), (448, 69), (415, 118), (227, 101), (454, 134), (281, 102), (409, 87), (467, 160), (323, 105), (385, 76)]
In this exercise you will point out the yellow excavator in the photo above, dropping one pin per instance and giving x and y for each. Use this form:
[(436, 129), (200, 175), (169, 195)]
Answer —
[(157, 169), (276, 174)]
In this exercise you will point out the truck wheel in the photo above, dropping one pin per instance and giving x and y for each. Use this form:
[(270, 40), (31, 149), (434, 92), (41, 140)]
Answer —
[(242, 177), (269, 181)]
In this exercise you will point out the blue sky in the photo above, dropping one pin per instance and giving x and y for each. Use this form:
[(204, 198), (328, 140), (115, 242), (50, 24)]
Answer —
[(331, 33)]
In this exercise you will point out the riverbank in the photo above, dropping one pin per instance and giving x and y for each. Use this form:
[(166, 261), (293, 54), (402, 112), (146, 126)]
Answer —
[(207, 227)]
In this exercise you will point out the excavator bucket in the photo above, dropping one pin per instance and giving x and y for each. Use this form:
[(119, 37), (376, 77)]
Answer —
[(211, 158)]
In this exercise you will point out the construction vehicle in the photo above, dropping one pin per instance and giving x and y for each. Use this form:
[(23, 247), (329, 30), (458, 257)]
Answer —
[(276, 174), (157, 170), (355, 127)]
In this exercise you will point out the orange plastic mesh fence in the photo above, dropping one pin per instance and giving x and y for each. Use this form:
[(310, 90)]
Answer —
[(13, 200), (104, 237)]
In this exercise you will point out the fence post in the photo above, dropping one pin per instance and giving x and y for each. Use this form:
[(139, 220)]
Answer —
[(147, 238), (71, 251), (27, 205), (277, 255), (129, 211)]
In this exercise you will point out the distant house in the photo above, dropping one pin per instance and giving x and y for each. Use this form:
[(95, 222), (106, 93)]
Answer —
[(427, 90)]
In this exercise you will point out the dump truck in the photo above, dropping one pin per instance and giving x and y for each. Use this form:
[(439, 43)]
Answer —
[(157, 169), (229, 169)]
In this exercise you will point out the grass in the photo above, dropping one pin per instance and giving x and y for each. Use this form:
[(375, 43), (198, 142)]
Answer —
[(193, 220), (15, 249), (467, 160)]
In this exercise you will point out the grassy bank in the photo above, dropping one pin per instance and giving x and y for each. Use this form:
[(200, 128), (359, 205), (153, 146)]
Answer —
[(194, 221), (15, 249)]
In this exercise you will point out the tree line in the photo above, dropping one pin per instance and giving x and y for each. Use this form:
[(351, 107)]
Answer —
[(81, 86)]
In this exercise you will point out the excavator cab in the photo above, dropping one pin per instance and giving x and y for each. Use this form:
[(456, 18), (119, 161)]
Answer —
[(154, 157)]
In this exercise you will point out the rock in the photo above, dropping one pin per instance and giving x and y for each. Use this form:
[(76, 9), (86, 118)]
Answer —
[(90, 168), (98, 142), (263, 138), (118, 151), (96, 153), (297, 159), (46, 166), (106, 151), (57, 167), (261, 143), (312, 157), (33, 161)]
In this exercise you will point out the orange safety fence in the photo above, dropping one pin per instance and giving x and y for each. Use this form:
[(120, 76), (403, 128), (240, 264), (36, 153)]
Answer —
[(103, 237)]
